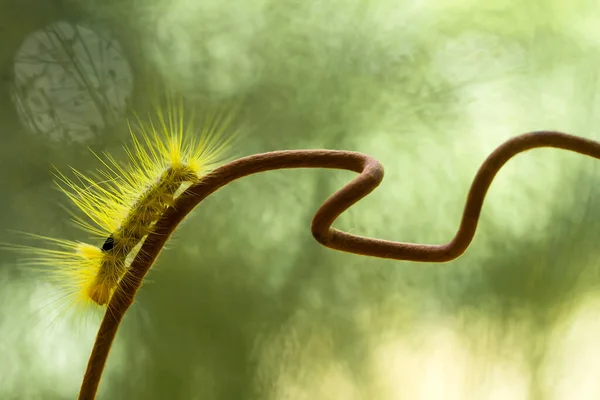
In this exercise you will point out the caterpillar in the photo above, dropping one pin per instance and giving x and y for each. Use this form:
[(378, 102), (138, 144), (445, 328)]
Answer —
[(120, 203)]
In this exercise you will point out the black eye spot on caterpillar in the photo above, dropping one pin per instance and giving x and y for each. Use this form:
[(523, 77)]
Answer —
[(109, 243)]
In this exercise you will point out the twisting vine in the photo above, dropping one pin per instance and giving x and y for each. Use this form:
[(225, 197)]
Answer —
[(370, 176)]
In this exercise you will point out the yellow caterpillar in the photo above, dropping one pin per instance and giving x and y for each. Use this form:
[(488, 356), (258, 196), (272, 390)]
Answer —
[(120, 204)]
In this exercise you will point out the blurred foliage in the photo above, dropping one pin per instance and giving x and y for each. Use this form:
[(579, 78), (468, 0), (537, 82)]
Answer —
[(244, 304)]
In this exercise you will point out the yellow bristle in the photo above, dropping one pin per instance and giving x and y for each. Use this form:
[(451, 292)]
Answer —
[(120, 203)]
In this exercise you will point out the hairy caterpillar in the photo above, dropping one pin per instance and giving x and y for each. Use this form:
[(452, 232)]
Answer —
[(119, 205)]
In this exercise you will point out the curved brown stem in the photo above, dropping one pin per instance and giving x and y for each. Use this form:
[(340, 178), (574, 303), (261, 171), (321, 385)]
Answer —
[(370, 175)]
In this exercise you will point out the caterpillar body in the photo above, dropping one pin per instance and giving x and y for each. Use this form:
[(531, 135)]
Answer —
[(136, 225), (120, 205)]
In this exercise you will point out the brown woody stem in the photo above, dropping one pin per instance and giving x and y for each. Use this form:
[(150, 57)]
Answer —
[(370, 175)]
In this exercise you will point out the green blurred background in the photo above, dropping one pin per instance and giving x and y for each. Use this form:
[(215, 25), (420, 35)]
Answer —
[(244, 304)]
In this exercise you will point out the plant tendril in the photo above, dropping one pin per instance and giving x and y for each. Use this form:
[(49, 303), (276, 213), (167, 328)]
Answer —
[(370, 176)]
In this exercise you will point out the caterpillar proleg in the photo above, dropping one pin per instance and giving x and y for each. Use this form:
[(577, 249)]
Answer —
[(119, 205)]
